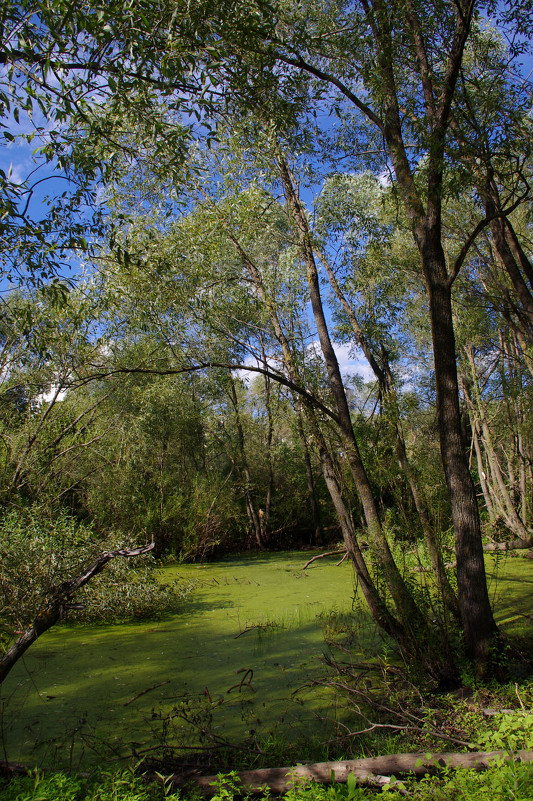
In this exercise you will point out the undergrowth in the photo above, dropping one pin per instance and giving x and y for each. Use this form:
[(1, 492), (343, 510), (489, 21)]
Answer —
[(510, 781)]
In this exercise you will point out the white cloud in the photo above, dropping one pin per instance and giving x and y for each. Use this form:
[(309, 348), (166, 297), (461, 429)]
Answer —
[(351, 365), (51, 395)]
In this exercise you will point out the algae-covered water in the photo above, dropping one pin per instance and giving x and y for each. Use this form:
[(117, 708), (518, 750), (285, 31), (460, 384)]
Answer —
[(240, 656), (75, 681)]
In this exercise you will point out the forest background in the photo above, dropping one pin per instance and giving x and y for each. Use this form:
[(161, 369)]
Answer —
[(235, 189)]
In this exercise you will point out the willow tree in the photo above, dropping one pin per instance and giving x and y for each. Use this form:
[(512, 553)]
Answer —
[(395, 68), (392, 72)]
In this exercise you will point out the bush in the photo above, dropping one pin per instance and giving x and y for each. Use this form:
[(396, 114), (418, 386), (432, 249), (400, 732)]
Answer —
[(58, 787), (38, 554)]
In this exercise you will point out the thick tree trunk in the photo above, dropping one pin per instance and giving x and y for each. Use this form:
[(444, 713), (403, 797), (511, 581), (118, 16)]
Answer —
[(479, 627)]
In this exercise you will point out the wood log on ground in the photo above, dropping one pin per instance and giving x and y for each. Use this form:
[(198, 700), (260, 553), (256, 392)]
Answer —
[(10, 769), (510, 545), (372, 771)]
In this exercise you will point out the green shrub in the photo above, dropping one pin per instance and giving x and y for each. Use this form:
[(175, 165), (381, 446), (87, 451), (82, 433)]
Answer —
[(58, 787), (38, 554)]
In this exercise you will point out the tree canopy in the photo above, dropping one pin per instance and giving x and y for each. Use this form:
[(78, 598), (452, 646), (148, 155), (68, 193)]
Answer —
[(249, 186)]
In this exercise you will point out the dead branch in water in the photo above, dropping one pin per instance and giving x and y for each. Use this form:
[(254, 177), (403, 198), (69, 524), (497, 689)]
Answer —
[(148, 689), (342, 553), (259, 627)]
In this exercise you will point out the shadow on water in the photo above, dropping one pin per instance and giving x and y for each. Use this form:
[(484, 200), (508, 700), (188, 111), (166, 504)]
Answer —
[(242, 653), (241, 647), (509, 577)]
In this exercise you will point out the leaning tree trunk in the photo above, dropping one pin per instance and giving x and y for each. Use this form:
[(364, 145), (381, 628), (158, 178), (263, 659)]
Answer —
[(498, 489), (311, 489), (408, 611), (56, 606), (384, 377)]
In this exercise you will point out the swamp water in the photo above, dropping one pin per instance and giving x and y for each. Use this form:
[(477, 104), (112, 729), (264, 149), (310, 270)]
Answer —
[(71, 693), (239, 655)]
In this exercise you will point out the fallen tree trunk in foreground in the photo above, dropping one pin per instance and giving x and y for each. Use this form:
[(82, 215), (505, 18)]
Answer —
[(372, 771)]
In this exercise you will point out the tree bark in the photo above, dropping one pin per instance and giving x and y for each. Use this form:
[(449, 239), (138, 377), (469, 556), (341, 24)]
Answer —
[(479, 627), (281, 780)]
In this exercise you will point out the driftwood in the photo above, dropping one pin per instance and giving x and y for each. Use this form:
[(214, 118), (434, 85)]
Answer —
[(373, 771), (342, 553), (57, 605)]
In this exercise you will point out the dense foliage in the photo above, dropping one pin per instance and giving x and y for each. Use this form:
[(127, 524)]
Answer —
[(37, 555), (255, 188)]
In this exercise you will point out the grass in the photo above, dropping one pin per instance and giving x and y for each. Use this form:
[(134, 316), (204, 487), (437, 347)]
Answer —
[(509, 782)]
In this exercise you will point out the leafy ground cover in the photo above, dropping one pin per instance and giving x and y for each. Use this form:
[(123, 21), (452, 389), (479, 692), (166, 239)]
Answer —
[(512, 782)]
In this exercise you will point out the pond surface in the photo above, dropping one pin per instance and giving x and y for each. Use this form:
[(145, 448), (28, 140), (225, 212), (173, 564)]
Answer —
[(239, 655), (259, 613)]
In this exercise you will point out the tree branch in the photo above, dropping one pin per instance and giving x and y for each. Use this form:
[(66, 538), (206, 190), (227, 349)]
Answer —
[(299, 63), (56, 606), (310, 399)]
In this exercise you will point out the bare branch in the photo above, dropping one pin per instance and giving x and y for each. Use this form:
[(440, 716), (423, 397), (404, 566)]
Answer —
[(342, 553)]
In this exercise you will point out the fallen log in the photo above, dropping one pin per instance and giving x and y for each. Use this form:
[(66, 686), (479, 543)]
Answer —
[(510, 545), (10, 769), (371, 771), (337, 552)]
